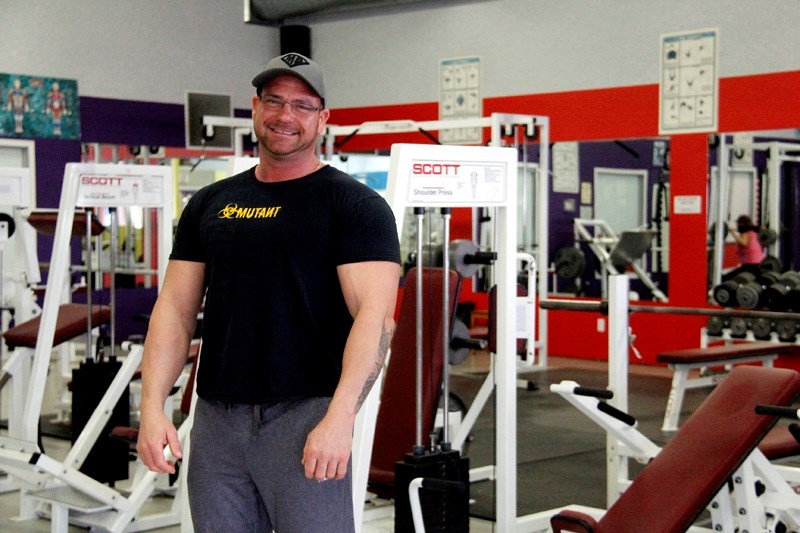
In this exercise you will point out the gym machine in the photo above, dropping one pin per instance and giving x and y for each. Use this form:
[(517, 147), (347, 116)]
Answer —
[(428, 176), (19, 272), (61, 484)]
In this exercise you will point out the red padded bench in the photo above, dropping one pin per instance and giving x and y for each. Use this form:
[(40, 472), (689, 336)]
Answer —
[(683, 361), (678, 484), (72, 321)]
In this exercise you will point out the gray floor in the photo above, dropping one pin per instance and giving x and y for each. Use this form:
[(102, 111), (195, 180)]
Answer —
[(561, 456)]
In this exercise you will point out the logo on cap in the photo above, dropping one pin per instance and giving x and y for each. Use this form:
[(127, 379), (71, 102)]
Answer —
[(294, 60)]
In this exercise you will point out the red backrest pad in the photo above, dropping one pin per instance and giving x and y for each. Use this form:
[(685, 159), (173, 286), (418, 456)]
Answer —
[(681, 480), (395, 430)]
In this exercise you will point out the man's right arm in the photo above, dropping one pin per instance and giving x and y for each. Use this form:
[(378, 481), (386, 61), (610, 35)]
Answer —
[(166, 347)]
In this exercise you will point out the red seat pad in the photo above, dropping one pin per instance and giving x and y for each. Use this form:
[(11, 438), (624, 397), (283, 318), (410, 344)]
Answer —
[(395, 426), (72, 321), (779, 444), (727, 351), (680, 481), (45, 222)]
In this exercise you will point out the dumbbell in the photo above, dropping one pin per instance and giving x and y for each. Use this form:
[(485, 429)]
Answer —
[(739, 327), (749, 294), (725, 293), (762, 328), (775, 296), (787, 329), (716, 324)]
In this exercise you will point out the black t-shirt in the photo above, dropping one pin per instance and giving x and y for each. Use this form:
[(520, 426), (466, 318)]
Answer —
[(275, 320)]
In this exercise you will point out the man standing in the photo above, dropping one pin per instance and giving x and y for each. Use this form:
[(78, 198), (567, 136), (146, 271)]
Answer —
[(299, 266)]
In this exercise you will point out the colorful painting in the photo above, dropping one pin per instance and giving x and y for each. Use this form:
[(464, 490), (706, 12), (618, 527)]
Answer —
[(39, 107)]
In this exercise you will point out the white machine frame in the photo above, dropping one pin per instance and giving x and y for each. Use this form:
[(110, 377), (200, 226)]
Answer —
[(460, 176), (84, 185), (89, 185)]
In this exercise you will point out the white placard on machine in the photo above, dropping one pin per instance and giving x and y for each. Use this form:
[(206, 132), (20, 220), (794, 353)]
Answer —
[(467, 176)]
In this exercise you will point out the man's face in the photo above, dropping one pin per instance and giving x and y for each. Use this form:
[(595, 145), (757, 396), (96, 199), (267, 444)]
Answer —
[(284, 132)]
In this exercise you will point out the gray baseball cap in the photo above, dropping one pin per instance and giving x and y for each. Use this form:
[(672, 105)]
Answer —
[(295, 65)]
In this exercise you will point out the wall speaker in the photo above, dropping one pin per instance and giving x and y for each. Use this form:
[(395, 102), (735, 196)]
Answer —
[(295, 38), (199, 105)]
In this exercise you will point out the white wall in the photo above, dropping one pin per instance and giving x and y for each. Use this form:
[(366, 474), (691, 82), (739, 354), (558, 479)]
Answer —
[(150, 50), (156, 50), (541, 46)]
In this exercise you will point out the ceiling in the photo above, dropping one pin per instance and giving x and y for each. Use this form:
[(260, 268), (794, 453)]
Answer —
[(278, 12)]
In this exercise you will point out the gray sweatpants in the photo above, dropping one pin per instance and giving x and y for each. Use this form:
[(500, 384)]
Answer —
[(245, 473)]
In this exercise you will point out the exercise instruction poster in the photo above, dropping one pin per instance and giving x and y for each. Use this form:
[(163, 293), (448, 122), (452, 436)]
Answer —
[(689, 88)]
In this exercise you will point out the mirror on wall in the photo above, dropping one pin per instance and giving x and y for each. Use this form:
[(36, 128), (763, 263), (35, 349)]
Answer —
[(609, 209), (756, 174)]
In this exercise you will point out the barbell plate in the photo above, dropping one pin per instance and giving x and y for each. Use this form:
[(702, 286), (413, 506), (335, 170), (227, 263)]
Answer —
[(570, 262), (459, 249)]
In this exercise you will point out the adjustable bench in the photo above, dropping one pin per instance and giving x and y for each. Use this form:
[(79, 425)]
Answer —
[(696, 464), (683, 361)]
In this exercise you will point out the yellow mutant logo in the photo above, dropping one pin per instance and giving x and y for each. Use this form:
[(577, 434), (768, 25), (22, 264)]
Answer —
[(234, 211)]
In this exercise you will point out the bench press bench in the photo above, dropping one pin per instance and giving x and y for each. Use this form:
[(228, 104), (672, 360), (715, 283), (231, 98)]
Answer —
[(682, 362)]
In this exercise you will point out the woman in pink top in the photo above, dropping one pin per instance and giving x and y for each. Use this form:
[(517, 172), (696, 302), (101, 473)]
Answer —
[(748, 247)]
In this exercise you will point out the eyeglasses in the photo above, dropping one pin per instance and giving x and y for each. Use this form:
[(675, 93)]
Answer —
[(300, 108)]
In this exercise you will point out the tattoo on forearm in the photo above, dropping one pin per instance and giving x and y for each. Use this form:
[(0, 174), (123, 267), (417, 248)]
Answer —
[(380, 360)]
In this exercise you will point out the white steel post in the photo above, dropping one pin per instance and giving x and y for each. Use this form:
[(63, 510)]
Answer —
[(617, 376)]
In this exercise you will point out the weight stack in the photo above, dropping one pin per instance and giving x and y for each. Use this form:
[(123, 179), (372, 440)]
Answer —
[(107, 462), (442, 512)]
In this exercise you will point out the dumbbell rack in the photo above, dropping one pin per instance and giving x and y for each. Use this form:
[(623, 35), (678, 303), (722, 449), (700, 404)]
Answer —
[(730, 335)]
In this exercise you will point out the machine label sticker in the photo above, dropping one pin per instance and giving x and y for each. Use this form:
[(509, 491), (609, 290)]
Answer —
[(14, 187), (108, 190), (457, 182)]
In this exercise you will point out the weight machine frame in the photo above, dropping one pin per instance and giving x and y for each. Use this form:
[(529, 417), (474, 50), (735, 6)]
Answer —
[(84, 185), (488, 167)]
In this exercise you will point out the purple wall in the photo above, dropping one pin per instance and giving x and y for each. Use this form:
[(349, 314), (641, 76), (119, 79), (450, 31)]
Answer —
[(109, 121)]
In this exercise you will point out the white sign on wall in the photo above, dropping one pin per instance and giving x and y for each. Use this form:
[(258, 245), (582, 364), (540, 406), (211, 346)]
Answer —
[(460, 97), (689, 87)]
